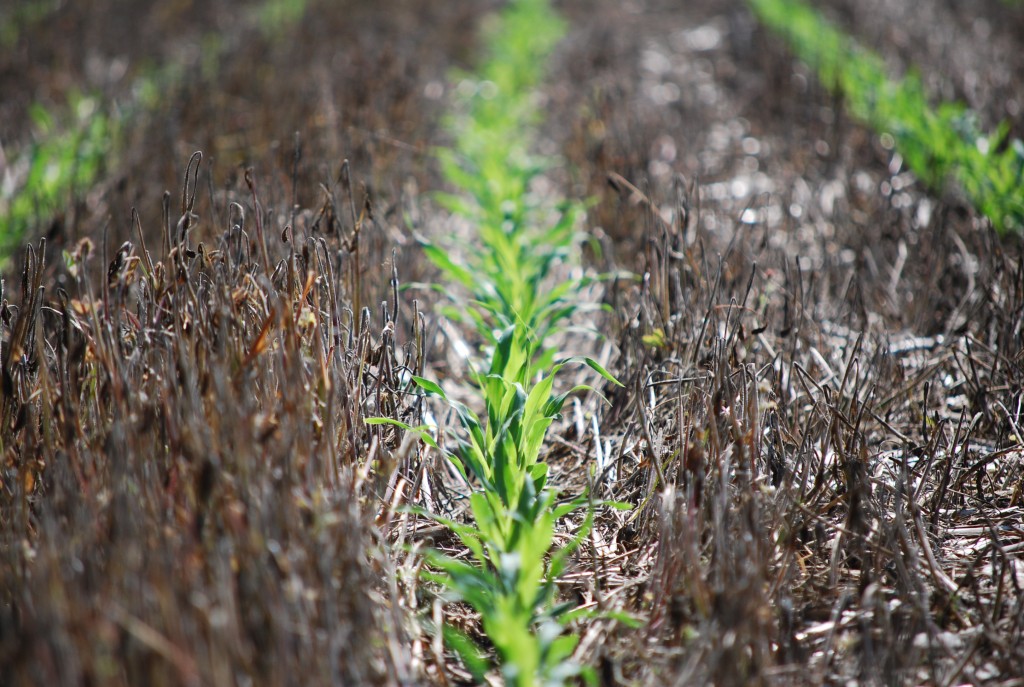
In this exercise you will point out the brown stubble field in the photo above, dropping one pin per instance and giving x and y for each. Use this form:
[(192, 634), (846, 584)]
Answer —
[(819, 429)]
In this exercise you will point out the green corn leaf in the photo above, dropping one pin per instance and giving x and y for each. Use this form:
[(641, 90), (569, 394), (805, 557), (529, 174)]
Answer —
[(570, 507), (423, 431), (561, 649), (596, 366), (627, 619), (468, 652), (456, 204), (444, 263), (430, 387)]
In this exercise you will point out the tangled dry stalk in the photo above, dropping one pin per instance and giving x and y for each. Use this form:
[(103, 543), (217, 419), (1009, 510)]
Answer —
[(819, 432)]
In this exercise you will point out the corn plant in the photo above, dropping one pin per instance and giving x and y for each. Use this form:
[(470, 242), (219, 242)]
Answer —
[(520, 238), (511, 578), (71, 149), (58, 164), (502, 452), (515, 302), (940, 144), (514, 592)]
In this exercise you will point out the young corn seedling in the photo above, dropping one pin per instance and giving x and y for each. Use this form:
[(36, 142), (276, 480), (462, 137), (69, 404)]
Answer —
[(61, 163), (939, 144), (73, 148), (520, 239), (511, 578), (516, 303), (502, 452)]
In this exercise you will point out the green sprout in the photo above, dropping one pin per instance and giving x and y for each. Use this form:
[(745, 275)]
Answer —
[(72, 148), (940, 144), (514, 301)]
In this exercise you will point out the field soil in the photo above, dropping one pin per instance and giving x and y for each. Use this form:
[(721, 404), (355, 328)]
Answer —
[(823, 361)]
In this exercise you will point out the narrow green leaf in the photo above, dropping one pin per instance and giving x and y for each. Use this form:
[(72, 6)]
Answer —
[(468, 652), (429, 386), (423, 431), (444, 263)]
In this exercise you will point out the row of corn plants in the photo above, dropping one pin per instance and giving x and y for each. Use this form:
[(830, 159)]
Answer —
[(68, 154), (940, 144), (71, 148), (514, 301)]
